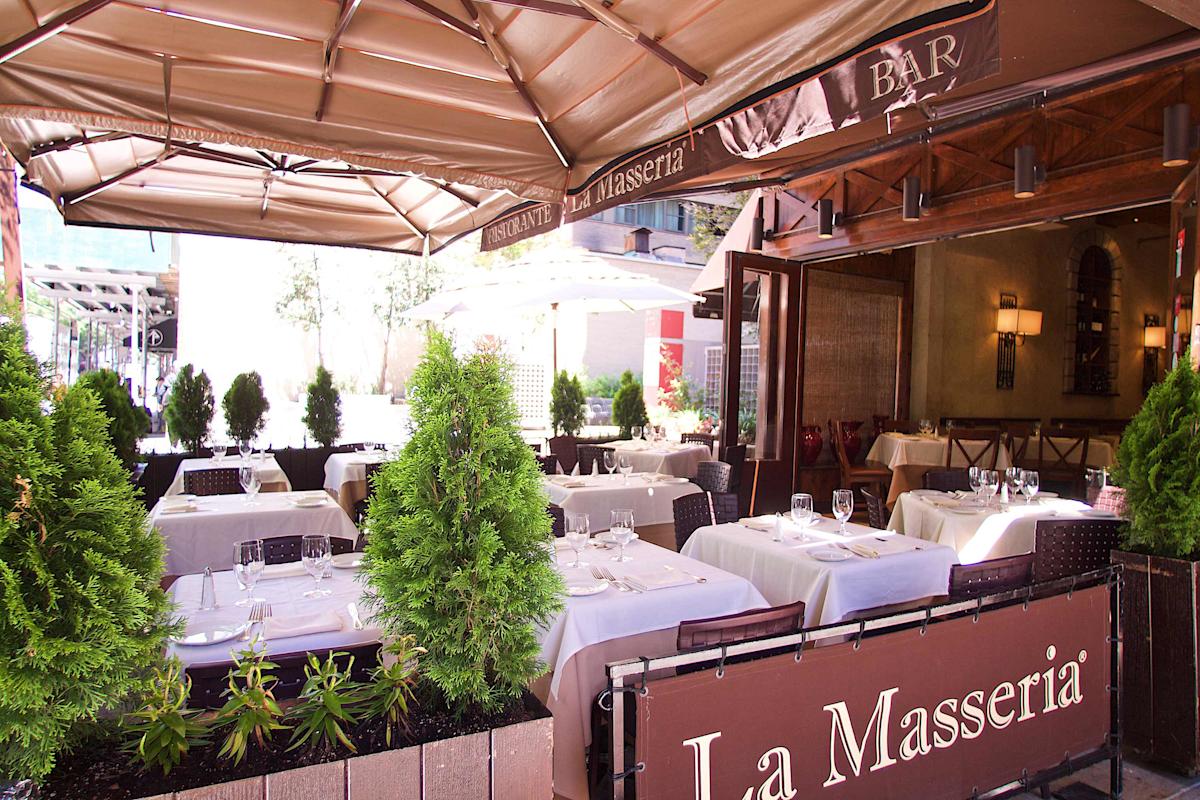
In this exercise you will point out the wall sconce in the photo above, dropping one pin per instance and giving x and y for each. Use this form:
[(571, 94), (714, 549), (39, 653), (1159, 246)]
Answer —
[(1154, 338), (1027, 173), (826, 219), (912, 199), (1012, 322), (1180, 137), (756, 229)]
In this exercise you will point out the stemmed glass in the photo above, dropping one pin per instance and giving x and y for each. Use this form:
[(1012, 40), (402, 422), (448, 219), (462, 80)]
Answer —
[(248, 565), (626, 465), (843, 506), (248, 478), (990, 479), (925, 427), (975, 480), (620, 527), (244, 450), (1030, 484), (610, 461), (636, 432), (577, 535), (315, 555), (368, 447), (802, 513), (1013, 476), (219, 449)]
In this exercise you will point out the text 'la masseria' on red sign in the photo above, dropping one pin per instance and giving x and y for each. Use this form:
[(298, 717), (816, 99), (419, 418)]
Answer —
[(964, 708)]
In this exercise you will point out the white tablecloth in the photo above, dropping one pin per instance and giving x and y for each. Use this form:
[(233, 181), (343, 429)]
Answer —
[(205, 537), (832, 591), (269, 471), (1100, 451), (342, 468), (671, 458), (978, 535), (286, 596), (650, 500), (901, 449)]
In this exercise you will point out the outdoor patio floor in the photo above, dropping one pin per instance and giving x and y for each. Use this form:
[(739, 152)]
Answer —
[(1141, 783)]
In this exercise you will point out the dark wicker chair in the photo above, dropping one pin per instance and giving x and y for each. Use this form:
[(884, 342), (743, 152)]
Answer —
[(218, 480), (360, 507), (1111, 498), (558, 521), (1074, 546), (989, 577), (698, 509), (899, 426), (1062, 459), (714, 476), (735, 457), (697, 438), (984, 456), (876, 510), (548, 464), (286, 549), (563, 448), (877, 478), (589, 455), (210, 681), (745, 626), (947, 480), (1017, 436)]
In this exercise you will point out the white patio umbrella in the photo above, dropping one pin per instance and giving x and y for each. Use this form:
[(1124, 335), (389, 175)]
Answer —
[(574, 281)]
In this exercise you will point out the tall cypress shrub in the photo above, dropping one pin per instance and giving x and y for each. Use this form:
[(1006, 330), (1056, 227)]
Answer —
[(629, 408), (127, 423), (566, 404), (189, 409), (323, 409), (245, 407), (82, 617), (457, 555)]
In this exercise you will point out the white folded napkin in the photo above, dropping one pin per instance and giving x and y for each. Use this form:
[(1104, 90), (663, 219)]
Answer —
[(765, 522), (178, 507), (575, 469), (658, 579), (301, 625), (864, 550), (289, 570)]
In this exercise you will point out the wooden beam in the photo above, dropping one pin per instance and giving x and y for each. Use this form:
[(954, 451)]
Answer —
[(1151, 96), (967, 160), (446, 19), (49, 28), (1086, 121), (10, 232), (345, 14), (547, 6), (1182, 10)]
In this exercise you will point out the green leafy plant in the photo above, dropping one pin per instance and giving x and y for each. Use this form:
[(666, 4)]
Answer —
[(326, 705), (457, 555), (682, 396), (1158, 465), (629, 408), (83, 619), (251, 711), (323, 409), (127, 423), (602, 386), (566, 404), (163, 728), (389, 695), (189, 409), (245, 407)]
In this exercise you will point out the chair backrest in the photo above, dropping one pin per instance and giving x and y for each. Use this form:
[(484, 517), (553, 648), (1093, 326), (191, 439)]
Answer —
[(947, 480), (697, 438), (563, 448), (558, 521), (218, 480), (836, 430), (988, 577), (1111, 498), (714, 476), (693, 511), (899, 426), (735, 457), (983, 454), (1073, 546), (876, 511), (589, 455), (1017, 436), (698, 634), (1063, 452), (548, 464), (286, 549)]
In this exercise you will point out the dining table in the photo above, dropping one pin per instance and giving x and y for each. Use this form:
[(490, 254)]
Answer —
[(671, 458), (200, 532), (649, 495), (910, 455), (976, 531), (838, 577), (271, 476), (346, 475)]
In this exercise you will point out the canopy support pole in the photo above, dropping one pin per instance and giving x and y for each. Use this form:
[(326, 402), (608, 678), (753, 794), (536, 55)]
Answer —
[(10, 233), (50, 28)]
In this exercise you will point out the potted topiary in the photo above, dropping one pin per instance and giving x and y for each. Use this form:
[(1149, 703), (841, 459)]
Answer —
[(323, 409), (629, 407), (566, 405), (127, 423), (1158, 465), (245, 407), (189, 409)]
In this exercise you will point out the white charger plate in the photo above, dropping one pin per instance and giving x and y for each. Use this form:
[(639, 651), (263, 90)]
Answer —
[(346, 560), (831, 554), (215, 635), (584, 587), (309, 502)]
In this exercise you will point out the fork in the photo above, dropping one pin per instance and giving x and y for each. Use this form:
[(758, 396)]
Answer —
[(257, 610), (624, 587), (601, 576)]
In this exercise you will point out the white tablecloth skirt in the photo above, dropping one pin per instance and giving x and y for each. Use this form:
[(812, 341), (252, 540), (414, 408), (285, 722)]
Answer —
[(270, 474), (670, 458), (650, 500)]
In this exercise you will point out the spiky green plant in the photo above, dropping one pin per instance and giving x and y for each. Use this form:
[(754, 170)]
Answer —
[(251, 712), (323, 409), (629, 407), (326, 706), (458, 552), (566, 404), (245, 407), (389, 694), (163, 729), (189, 409)]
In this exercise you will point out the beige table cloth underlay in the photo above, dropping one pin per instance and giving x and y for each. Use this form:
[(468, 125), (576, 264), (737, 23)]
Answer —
[(671, 458), (1101, 451), (649, 496), (271, 476), (980, 534), (910, 456), (346, 476)]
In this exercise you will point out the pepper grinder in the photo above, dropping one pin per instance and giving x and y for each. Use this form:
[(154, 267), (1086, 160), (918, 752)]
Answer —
[(208, 591)]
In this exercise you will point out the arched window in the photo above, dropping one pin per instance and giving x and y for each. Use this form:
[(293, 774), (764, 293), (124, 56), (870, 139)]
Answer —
[(1093, 299)]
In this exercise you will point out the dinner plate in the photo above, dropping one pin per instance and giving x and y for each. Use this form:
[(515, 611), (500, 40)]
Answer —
[(583, 587), (927, 493), (346, 560), (674, 480), (965, 509), (309, 502), (830, 554), (606, 537), (215, 635)]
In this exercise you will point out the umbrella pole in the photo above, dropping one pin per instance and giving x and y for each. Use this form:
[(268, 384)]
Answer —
[(554, 335)]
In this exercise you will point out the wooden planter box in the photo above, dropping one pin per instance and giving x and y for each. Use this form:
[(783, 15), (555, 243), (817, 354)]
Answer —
[(510, 763), (1160, 700)]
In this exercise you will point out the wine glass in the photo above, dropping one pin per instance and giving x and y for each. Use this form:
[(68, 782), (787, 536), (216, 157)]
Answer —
[(925, 427), (248, 478), (636, 432), (975, 480), (1030, 484), (843, 506), (219, 449), (244, 450), (1013, 477), (315, 555), (248, 565), (620, 527), (991, 484), (626, 465), (610, 461), (368, 447), (802, 513), (576, 534)]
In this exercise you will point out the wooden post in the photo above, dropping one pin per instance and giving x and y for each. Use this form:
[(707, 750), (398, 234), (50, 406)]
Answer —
[(10, 235)]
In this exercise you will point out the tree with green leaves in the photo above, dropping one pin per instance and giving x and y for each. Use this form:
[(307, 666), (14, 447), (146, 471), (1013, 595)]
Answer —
[(566, 404), (1158, 465), (83, 620), (245, 407), (405, 281), (629, 407), (457, 556), (305, 301), (323, 409), (127, 423), (711, 222), (189, 409)]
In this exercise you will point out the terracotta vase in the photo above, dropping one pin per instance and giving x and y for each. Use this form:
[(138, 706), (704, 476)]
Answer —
[(810, 444), (852, 439)]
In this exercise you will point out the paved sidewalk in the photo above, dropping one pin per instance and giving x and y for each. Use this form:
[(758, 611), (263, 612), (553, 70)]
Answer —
[(1141, 783)]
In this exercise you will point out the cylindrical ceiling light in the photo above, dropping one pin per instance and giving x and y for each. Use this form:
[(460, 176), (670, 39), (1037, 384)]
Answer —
[(1025, 171), (1177, 135), (825, 218), (912, 199), (756, 231)]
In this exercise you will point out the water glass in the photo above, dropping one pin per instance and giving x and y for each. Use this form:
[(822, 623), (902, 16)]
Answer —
[(991, 484), (248, 478), (1097, 479), (577, 531), (1030, 484), (843, 506), (244, 450), (626, 465), (620, 527), (636, 431), (975, 480), (248, 565), (315, 554), (610, 461), (1013, 477), (925, 427), (368, 447), (219, 450), (802, 513)]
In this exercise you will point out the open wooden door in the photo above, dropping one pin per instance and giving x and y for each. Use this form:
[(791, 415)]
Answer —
[(1185, 252)]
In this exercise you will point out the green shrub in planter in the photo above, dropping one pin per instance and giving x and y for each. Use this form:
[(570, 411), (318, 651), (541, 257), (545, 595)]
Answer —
[(245, 407), (458, 555), (566, 405), (629, 408), (189, 409), (1158, 465), (127, 423), (82, 618), (323, 409)]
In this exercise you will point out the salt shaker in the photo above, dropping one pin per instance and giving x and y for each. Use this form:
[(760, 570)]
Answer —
[(208, 591), (778, 537)]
